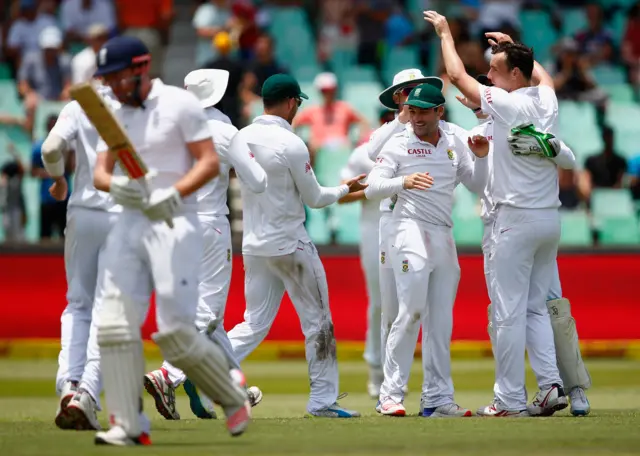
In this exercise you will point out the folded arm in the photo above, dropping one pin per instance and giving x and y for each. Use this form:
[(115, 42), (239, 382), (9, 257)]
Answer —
[(246, 166)]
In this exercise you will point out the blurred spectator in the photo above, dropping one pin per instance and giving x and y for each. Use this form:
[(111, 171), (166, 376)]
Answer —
[(574, 188), (398, 28), (634, 177), (470, 51), (12, 205), (78, 16), (606, 169), (53, 213), (337, 28), (572, 78), (230, 102), (244, 29), (45, 74), (371, 17), (211, 18), (496, 15), (25, 31), (331, 120), (83, 64), (596, 42), (150, 21), (631, 45), (263, 66)]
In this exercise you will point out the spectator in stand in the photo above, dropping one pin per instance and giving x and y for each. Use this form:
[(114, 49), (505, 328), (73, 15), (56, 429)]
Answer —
[(496, 15), (596, 42), (371, 17), (572, 78), (78, 16), (12, 205), (244, 29), (44, 74), (631, 47), (53, 213), (25, 31), (399, 29), (211, 18), (230, 102), (83, 64), (606, 169), (634, 177), (330, 121), (150, 21), (337, 28), (574, 188), (263, 66)]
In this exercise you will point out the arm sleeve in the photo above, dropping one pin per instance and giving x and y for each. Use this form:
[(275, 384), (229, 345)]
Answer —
[(66, 126), (192, 120), (381, 180), (381, 136), (499, 104), (312, 193), (473, 174), (246, 166), (566, 158)]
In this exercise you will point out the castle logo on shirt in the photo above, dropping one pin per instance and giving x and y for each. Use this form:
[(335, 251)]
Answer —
[(419, 152), (487, 95)]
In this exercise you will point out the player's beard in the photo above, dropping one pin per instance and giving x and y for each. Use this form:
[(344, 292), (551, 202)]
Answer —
[(292, 113), (424, 129)]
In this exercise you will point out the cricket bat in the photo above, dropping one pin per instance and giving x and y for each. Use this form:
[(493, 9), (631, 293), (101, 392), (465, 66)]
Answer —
[(112, 132)]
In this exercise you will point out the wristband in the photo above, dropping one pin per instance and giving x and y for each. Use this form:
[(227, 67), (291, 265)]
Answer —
[(477, 110)]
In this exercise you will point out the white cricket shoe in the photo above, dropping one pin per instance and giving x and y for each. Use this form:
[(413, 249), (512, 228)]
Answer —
[(156, 383), (118, 437), (62, 419), (255, 395), (389, 407), (579, 403), (494, 410), (82, 412), (451, 410), (548, 401)]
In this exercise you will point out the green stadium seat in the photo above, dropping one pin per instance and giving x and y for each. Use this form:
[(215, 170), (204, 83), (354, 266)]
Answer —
[(314, 95), (281, 18), (346, 220), (465, 203), (611, 203), (329, 162), (306, 74), (576, 229), (620, 93), (623, 118), (342, 59), (358, 74), (398, 58), (458, 113), (5, 72), (619, 231), (538, 33), (468, 231), (364, 98), (579, 128), (9, 100), (317, 226), (43, 112), (573, 20), (609, 75), (20, 139), (618, 25)]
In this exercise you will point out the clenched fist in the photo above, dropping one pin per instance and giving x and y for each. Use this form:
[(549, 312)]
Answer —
[(479, 145)]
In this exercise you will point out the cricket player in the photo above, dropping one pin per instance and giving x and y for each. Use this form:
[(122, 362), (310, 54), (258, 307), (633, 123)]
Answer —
[(422, 166), (573, 371), (215, 271), (155, 245), (278, 254), (90, 216), (392, 97), (526, 228)]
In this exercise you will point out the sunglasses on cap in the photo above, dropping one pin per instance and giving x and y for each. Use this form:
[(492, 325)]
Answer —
[(405, 90)]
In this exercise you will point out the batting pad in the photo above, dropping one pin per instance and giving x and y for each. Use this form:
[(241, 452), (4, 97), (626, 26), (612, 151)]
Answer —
[(204, 363), (573, 372)]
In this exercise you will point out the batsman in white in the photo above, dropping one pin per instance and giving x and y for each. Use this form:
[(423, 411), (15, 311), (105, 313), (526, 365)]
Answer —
[(155, 245), (433, 155), (392, 97), (90, 216), (215, 270), (573, 371), (526, 229), (278, 254)]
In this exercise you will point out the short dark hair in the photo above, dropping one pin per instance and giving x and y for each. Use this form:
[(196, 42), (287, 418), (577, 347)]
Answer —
[(271, 103), (518, 56)]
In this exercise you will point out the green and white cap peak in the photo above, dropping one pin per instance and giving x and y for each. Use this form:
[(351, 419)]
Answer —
[(407, 78)]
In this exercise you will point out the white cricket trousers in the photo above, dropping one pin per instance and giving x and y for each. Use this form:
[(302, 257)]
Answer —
[(426, 269), (522, 262), (302, 275), (369, 260), (84, 247), (388, 294), (215, 278)]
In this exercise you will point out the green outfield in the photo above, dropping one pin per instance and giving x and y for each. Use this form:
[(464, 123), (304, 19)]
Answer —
[(27, 405)]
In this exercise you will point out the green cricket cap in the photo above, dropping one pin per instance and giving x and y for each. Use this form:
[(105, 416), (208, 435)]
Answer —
[(425, 96), (281, 86)]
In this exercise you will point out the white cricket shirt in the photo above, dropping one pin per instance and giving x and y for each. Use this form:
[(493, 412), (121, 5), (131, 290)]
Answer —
[(529, 181), (360, 163), (486, 129), (212, 197), (171, 119), (77, 131), (448, 162), (273, 221)]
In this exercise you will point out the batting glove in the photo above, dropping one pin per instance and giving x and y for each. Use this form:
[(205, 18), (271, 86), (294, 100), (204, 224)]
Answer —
[(527, 140), (163, 204), (127, 192)]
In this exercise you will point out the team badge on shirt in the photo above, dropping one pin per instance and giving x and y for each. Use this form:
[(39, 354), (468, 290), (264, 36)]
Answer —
[(382, 258), (228, 255), (451, 154), (405, 265)]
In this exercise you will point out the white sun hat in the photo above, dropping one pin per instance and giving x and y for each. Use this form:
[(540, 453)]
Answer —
[(208, 86), (407, 78)]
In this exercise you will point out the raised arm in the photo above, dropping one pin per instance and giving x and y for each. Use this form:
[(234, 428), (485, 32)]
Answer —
[(474, 174)]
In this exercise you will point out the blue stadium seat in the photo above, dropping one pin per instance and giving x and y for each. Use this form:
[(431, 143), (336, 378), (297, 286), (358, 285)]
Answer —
[(5, 71)]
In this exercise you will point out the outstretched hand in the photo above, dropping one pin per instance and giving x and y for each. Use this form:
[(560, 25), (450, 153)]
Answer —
[(355, 185), (438, 21), (498, 37)]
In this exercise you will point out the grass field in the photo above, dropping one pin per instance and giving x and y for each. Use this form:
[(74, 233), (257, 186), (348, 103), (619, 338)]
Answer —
[(27, 405)]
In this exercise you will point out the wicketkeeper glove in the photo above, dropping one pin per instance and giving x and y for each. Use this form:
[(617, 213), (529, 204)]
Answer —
[(126, 192), (527, 140), (163, 204)]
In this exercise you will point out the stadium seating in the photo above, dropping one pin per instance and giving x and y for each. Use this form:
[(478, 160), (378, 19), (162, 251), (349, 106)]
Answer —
[(624, 119), (317, 226), (329, 162), (9, 101), (539, 33), (579, 128), (573, 21), (43, 112), (467, 224), (346, 223), (614, 216), (576, 229)]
